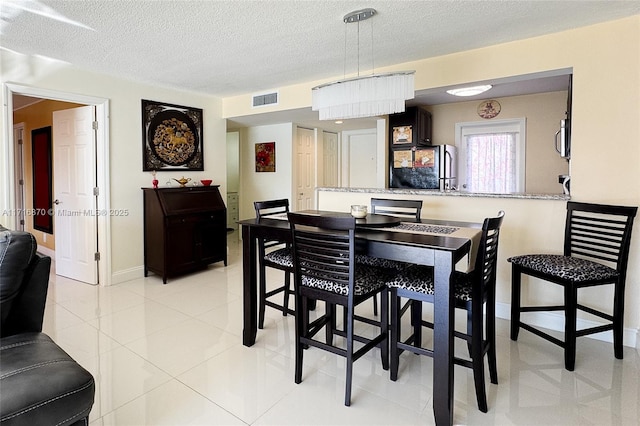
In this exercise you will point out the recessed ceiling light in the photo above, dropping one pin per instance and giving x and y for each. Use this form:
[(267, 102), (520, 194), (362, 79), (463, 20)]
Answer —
[(338, 122), (469, 91)]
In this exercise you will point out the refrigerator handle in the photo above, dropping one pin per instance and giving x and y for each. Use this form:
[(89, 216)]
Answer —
[(448, 172)]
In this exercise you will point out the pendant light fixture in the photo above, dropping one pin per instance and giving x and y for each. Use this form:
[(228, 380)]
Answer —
[(363, 96)]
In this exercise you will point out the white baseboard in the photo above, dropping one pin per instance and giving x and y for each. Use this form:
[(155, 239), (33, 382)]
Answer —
[(555, 321), (127, 275), (47, 252)]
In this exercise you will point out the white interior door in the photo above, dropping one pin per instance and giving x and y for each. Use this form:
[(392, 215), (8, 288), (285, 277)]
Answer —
[(75, 228), (330, 160), (360, 158), (305, 169)]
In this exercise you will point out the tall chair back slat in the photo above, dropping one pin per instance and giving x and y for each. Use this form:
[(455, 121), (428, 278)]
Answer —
[(599, 232), (326, 255), (410, 209)]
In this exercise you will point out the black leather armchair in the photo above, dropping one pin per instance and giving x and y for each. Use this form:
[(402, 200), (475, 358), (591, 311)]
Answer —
[(41, 384)]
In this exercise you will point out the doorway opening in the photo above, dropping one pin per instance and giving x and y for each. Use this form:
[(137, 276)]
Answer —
[(12, 197)]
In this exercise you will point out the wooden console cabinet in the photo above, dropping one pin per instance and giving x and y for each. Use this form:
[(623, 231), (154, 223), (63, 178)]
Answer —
[(185, 229)]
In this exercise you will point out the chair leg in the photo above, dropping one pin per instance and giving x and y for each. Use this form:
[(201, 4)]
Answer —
[(618, 320), (349, 378), (331, 325), (416, 322), (491, 338), (300, 331), (477, 359), (262, 297), (470, 330), (287, 291), (570, 311), (515, 302), (384, 328), (375, 305), (395, 333)]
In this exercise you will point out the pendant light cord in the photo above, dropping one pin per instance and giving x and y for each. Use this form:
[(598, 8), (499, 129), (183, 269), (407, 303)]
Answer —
[(358, 47), (373, 65)]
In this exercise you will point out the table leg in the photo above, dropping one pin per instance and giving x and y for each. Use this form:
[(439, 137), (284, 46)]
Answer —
[(249, 287), (443, 339)]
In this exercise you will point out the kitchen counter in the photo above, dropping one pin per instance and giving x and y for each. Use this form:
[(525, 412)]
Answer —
[(435, 192)]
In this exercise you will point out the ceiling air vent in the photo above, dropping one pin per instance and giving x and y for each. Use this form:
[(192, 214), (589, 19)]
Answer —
[(265, 99)]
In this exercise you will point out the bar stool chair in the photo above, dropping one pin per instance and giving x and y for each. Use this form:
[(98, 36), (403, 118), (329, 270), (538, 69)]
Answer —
[(273, 254), (407, 209), (596, 252), (325, 269), (473, 290)]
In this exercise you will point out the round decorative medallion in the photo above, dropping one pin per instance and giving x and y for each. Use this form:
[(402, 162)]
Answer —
[(489, 109), (173, 137)]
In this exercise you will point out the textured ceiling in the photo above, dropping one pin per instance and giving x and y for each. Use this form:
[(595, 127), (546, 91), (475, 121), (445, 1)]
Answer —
[(226, 48), (230, 47)]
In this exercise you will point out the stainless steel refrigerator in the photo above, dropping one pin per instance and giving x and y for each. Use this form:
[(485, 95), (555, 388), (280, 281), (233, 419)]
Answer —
[(424, 167)]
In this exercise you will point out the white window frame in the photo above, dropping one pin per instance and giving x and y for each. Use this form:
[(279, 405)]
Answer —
[(511, 125)]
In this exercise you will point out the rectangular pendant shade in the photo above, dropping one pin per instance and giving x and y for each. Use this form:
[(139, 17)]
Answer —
[(367, 96)]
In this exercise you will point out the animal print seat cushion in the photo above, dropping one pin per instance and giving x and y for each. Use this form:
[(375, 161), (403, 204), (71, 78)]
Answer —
[(282, 257), (367, 279), (363, 259), (420, 280), (565, 267)]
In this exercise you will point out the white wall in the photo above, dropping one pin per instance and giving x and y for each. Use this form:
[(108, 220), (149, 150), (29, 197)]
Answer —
[(233, 161), (256, 186), (126, 176)]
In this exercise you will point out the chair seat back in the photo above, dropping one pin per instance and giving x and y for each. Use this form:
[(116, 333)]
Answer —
[(409, 209), (323, 250), (598, 232)]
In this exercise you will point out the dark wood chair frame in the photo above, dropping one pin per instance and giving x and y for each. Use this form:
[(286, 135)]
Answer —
[(479, 341), (264, 209), (588, 235), (409, 209), (326, 247)]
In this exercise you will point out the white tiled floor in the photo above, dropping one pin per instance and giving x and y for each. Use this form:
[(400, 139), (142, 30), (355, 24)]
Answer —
[(173, 355)]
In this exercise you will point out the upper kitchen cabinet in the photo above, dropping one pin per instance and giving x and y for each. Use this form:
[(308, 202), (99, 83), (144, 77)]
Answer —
[(410, 127)]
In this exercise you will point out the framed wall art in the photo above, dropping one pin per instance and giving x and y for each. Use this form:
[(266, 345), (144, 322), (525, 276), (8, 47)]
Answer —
[(266, 157), (424, 158), (42, 179), (402, 158), (402, 135), (171, 137)]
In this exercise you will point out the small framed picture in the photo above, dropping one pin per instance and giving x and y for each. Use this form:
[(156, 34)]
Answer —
[(424, 158), (402, 159), (402, 135), (266, 157)]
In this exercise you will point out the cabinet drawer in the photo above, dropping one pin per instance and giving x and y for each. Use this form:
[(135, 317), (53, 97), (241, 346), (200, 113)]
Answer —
[(180, 220)]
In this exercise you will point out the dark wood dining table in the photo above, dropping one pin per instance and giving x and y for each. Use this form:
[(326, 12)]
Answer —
[(440, 251)]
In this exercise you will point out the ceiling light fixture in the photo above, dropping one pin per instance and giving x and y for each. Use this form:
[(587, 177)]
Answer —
[(469, 91), (363, 96)]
